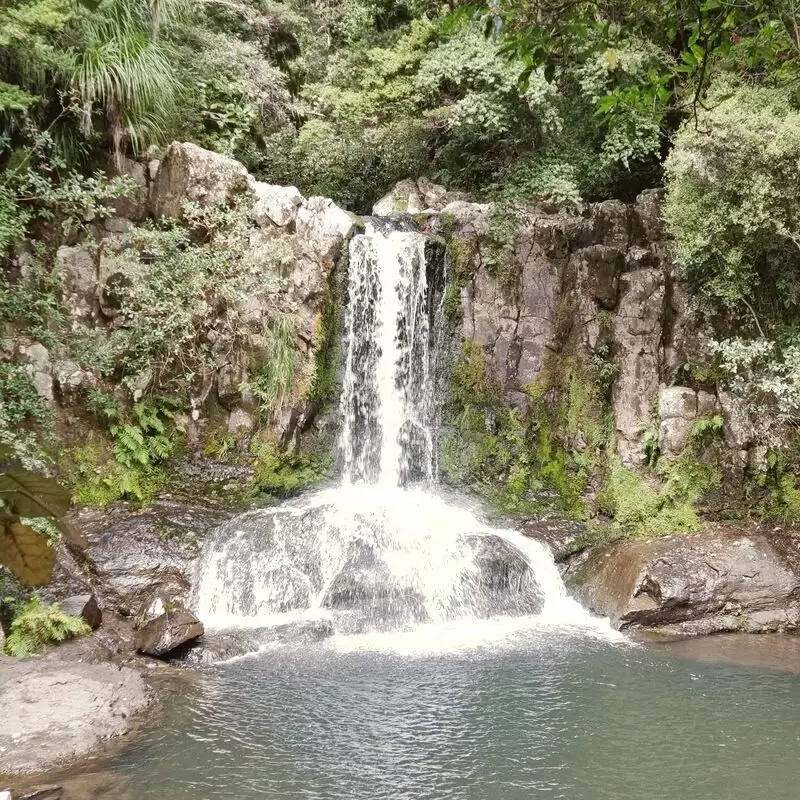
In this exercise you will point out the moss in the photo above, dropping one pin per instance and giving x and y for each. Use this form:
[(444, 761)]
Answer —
[(323, 385), (523, 463), (447, 224), (661, 502), (279, 474), (461, 251)]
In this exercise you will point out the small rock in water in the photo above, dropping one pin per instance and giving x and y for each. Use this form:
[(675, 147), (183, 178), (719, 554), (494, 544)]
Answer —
[(165, 633)]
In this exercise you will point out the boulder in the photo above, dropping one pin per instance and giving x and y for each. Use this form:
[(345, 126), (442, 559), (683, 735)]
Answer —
[(239, 421), (190, 173), (134, 206), (136, 557), (710, 582), (56, 711), (83, 605), (275, 205), (677, 401), (36, 358), (163, 634), (324, 226)]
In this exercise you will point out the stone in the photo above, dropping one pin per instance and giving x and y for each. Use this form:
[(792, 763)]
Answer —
[(707, 404), (56, 711), (648, 211), (404, 198), (83, 605), (239, 420), (739, 429), (674, 434), (190, 173), (134, 206), (78, 270), (135, 558), (69, 377), (220, 645), (324, 226), (276, 205), (710, 582), (637, 331), (163, 634), (599, 268), (677, 401), (43, 793), (36, 358)]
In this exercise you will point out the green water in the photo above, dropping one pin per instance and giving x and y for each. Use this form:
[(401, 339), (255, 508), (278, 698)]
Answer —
[(543, 714)]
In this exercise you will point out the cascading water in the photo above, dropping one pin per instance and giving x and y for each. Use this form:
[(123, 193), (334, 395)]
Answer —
[(377, 553)]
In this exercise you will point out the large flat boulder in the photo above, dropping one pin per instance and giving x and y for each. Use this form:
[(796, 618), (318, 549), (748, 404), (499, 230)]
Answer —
[(695, 584), (54, 711)]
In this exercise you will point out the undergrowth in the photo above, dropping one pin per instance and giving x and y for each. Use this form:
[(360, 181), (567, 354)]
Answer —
[(36, 625)]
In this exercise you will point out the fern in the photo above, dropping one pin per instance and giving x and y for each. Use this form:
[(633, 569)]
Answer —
[(36, 625)]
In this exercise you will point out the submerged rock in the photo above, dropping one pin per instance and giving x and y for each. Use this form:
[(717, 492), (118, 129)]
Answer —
[(221, 645), (167, 632), (695, 584)]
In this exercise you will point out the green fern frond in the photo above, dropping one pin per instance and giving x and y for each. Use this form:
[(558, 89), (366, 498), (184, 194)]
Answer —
[(36, 625)]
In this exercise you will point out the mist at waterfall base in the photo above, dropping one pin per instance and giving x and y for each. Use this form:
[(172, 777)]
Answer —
[(458, 668)]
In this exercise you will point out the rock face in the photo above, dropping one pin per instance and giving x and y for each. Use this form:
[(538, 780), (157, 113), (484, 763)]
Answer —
[(55, 711), (695, 584), (162, 635), (599, 286)]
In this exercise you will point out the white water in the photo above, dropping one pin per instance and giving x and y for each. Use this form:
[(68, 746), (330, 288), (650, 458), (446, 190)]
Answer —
[(380, 558)]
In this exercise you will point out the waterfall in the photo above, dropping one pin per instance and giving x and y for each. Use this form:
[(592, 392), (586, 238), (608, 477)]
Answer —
[(387, 405), (383, 551)]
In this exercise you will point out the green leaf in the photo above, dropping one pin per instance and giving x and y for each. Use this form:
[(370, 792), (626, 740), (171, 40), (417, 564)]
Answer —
[(27, 494), (27, 554)]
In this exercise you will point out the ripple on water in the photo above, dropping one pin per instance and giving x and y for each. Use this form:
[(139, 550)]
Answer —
[(545, 714)]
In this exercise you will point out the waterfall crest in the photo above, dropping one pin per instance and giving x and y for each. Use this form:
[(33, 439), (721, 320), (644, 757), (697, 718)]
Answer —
[(384, 551)]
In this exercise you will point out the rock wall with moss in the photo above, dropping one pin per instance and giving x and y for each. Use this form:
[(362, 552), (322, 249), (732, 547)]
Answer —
[(192, 318), (582, 381)]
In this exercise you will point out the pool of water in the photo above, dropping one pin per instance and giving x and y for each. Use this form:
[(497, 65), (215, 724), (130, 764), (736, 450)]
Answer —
[(458, 714)]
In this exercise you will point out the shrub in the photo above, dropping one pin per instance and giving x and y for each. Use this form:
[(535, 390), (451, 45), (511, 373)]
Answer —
[(35, 626)]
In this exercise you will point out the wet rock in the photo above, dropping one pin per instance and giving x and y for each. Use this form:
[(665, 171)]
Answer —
[(367, 586), (190, 173), (136, 556), (221, 645), (83, 605), (54, 711), (505, 582), (43, 793), (162, 635), (691, 584), (563, 537)]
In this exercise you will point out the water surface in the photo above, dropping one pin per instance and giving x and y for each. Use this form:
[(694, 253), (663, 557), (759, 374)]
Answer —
[(533, 713)]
